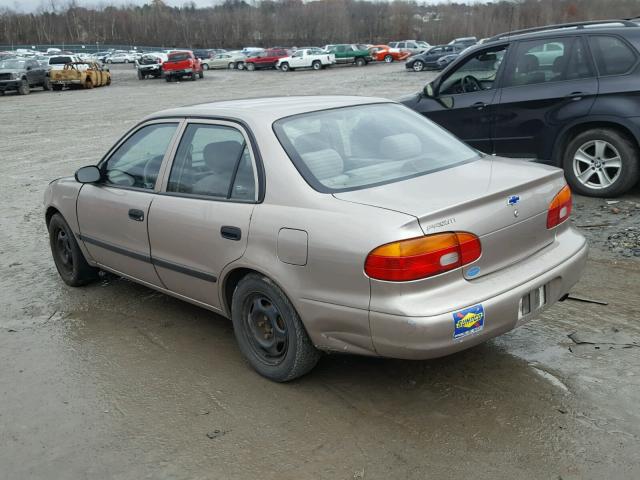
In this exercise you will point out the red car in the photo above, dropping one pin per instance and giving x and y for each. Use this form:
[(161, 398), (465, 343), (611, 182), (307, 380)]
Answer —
[(266, 59), (182, 64), (387, 54)]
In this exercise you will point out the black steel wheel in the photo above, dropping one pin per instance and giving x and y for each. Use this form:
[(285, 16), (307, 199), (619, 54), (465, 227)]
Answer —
[(67, 256), (269, 331)]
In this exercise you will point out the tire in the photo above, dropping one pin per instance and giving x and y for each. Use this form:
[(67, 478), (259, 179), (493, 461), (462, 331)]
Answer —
[(285, 67), (126, 61), (88, 85), (205, 66), (388, 59), (167, 78), (316, 65), (141, 76), (109, 61), (194, 76), (201, 74), (24, 88), (250, 66), (418, 66), (240, 65), (46, 85), (231, 66), (261, 313), (67, 256), (601, 163), (56, 88), (360, 62)]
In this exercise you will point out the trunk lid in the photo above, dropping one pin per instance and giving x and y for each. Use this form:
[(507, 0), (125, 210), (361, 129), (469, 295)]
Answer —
[(502, 201)]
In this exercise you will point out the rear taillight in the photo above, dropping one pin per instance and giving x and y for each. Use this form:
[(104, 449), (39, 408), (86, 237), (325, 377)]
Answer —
[(560, 208), (422, 257)]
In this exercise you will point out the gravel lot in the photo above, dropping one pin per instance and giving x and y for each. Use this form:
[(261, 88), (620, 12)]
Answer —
[(115, 380)]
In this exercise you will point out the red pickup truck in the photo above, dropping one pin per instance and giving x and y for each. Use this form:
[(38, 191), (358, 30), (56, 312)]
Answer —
[(265, 59), (182, 64)]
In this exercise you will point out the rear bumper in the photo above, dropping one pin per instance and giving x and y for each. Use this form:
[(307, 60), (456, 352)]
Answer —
[(178, 73), (417, 337)]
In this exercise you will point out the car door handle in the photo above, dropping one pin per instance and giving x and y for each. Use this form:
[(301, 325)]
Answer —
[(479, 105), (231, 233), (137, 215), (575, 96)]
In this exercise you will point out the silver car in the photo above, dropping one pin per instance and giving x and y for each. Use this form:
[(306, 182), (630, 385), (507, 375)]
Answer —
[(322, 224)]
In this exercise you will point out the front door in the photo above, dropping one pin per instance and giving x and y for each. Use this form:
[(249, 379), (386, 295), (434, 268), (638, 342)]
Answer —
[(113, 214), (548, 83), (464, 99), (199, 223)]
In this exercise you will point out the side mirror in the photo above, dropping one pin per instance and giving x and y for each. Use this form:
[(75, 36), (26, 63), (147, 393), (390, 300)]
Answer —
[(90, 174), (428, 90)]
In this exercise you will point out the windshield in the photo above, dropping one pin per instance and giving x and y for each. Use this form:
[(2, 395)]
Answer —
[(365, 145), (12, 64)]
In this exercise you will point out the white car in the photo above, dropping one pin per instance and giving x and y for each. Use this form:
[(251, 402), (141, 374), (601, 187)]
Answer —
[(121, 57), (307, 58), (57, 62)]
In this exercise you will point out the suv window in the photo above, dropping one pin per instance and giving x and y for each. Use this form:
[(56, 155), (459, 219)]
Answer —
[(613, 56), (482, 67), (137, 162), (213, 160)]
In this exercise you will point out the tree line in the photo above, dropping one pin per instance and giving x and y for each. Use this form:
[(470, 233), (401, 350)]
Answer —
[(238, 23)]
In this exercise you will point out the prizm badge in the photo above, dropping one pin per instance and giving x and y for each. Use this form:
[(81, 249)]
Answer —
[(513, 200)]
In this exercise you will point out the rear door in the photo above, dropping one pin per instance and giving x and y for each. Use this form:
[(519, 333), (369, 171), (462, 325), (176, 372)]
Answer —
[(113, 214), (199, 223), (548, 83)]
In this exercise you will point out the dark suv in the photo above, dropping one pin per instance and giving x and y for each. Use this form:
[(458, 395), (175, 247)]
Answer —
[(568, 95)]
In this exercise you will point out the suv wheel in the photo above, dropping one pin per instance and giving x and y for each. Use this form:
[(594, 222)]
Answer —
[(360, 62), (250, 66), (418, 66), (269, 331), (388, 59), (601, 163), (46, 84)]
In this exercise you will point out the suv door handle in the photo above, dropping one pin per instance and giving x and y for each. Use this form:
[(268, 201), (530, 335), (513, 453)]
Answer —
[(231, 233), (479, 105), (575, 96), (137, 215)]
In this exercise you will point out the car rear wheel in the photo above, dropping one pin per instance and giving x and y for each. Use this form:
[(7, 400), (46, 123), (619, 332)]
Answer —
[(240, 65), (316, 65), (46, 85), (601, 163), (360, 62), (269, 331), (418, 66), (231, 66), (205, 66), (388, 59), (67, 256), (250, 66)]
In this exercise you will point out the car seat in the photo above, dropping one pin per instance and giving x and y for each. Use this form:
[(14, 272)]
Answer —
[(220, 158)]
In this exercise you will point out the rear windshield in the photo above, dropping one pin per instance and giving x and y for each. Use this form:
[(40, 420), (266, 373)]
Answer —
[(176, 57), (59, 60), (365, 145)]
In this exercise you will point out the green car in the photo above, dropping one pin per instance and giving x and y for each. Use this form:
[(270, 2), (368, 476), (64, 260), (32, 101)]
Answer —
[(348, 53)]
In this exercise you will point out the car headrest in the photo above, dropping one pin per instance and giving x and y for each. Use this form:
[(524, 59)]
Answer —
[(309, 142), (400, 146), (324, 164), (528, 63), (221, 157), (558, 64)]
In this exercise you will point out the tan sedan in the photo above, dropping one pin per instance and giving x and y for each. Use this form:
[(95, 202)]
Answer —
[(336, 224)]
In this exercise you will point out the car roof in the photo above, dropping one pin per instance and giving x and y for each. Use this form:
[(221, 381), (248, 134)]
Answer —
[(578, 28), (266, 109)]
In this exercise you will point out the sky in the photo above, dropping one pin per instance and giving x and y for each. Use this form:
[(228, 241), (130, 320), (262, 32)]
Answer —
[(32, 5)]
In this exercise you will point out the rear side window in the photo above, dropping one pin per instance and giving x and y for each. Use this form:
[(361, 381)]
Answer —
[(613, 56), (213, 161)]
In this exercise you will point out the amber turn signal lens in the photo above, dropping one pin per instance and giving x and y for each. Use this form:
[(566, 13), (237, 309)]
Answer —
[(560, 208), (422, 257)]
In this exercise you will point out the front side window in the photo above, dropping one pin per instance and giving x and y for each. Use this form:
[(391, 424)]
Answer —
[(136, 163), (213, 161), (613, 56), (356, 147), (479, 72)]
